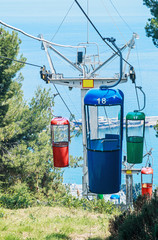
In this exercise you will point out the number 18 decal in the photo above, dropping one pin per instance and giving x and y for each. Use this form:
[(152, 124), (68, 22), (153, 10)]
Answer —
[(101, 100)]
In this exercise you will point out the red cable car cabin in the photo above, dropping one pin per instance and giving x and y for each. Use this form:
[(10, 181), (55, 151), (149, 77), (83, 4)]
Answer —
[(60, 131), (147, 180)]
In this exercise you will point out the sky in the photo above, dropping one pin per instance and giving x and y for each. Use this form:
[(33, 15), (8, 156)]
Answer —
[(38, 16), (55, 9)]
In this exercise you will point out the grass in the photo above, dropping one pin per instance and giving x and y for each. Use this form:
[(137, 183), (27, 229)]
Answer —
[(52, 223)]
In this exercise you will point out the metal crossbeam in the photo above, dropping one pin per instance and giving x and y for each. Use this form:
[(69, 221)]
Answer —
[(131, 171), (78, 82)]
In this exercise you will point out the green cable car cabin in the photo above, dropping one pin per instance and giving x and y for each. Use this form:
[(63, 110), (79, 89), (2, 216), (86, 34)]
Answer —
[(135, 129)]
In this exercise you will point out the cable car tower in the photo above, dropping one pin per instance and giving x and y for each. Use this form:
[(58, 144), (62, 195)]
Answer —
[(88, 66)]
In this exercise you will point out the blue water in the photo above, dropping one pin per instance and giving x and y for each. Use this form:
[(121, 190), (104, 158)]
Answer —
[(45, 19)]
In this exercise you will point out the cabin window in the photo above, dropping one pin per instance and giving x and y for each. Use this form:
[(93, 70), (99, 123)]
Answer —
[(135, 128), (103, 127), (60, 133)]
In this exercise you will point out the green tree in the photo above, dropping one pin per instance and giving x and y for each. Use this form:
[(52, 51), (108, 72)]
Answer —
[(152, 24), (11, 103), (25, 147), (9, 47), (156, 129), (26, 158)]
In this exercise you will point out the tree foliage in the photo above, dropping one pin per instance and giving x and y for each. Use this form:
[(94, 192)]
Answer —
[(9, 47), (152, 24), (141, 223), (25, 148), (156, 129)]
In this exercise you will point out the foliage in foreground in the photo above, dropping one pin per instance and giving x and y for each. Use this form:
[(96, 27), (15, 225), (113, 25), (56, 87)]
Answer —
[(140, 224), (98, 206), (52, 223), (25, 142), (20, 196), (17, 196), (60, 217), (25, 147)]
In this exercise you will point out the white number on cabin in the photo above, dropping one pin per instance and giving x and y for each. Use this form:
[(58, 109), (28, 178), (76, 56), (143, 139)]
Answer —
[(101, 100)]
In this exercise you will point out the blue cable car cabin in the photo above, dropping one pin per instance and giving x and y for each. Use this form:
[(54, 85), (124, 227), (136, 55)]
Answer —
[(104, 130)]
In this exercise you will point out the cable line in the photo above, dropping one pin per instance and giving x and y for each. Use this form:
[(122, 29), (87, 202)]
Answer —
[(114, 22), (71, 101), (62, 21), (93, 25), (31, 64), (37, 38), (138, 100), (121, 16), (35, 65), (104, 39), (138, 60), (63, 100), (72, 115)]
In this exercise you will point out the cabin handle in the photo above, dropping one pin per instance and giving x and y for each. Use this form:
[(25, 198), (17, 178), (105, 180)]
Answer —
[(112, 40), (140, 88)]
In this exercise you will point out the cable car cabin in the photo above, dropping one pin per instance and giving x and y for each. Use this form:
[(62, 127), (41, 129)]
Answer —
[(60, 131), (135, 128), (104, 129), (147, 181)]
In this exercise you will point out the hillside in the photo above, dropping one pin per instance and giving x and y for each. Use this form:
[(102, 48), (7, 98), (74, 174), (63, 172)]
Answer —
[(52, 223)]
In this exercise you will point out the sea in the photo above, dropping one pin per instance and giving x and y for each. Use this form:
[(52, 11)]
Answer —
[(144, 58)]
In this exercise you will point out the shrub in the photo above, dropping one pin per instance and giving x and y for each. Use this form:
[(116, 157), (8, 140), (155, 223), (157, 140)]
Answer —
[(115, 223), (141, 223), (17, 196), (99, 206)]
